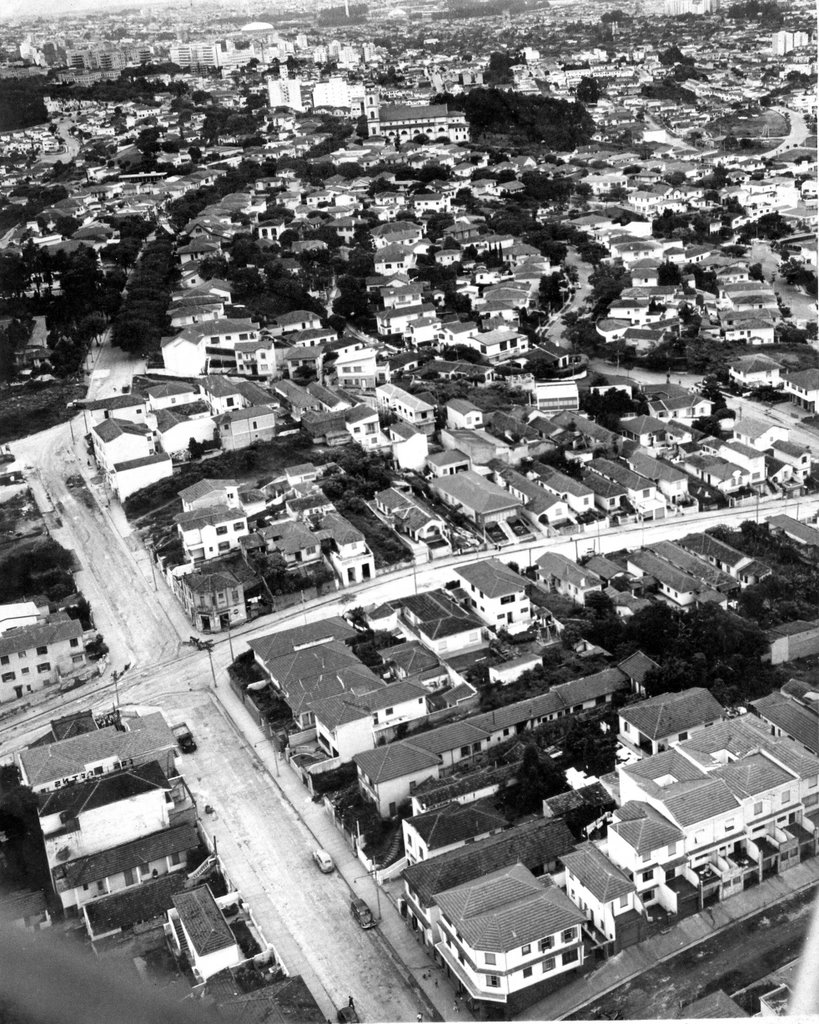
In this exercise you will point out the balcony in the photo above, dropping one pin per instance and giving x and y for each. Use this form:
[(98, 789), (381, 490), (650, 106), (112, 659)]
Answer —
[(463, 976)]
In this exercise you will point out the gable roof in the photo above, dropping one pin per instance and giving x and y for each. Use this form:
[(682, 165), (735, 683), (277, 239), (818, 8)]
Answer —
[(597, 873), (670, 713), (534, 843), (454, 823), (110, 788), (203, 921)]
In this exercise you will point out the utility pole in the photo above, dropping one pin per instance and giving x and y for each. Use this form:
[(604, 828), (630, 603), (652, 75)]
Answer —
[(207, 645), (230, 640)]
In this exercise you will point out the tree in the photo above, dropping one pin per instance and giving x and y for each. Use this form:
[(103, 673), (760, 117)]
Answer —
[(537, 779), (588, 90)]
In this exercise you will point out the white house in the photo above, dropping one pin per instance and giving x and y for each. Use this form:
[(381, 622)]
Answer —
[(209, 532), (508, 937), (497, 594), (197, 926)]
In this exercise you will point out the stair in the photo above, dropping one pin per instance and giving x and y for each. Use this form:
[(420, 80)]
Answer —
[(395, 851)]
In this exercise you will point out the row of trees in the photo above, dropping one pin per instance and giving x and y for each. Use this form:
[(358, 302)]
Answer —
[(143, 320)]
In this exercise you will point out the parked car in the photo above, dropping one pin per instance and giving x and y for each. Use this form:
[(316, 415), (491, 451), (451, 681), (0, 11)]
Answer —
[(324, 860), (184, 737), (362, 913)]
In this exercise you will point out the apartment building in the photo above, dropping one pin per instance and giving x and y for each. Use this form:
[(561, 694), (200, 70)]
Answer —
[(39, 654)]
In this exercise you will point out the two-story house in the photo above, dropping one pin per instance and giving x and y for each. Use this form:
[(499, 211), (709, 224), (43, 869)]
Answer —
[(409, 408), (348, 553), (655, 724), (497, 594), (35, 655), (509, 938), (209, 532), (349, 723)]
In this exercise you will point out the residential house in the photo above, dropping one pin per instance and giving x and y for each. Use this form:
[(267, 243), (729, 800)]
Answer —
[(351, 722), (240, 428), (449, 827), (803, 387), (655, 724), (39, 654), (348, 552), (562, 575), (606, 895), (409, 408), (410, 447), (476, 497), (497, 594), (209, 532), (197, 927), (509, 938), (441, 625)]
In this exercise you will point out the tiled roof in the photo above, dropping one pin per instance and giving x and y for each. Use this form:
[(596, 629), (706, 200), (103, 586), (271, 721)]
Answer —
[(507, 909), (395, 760), (103, 790), (144, 850), (643, 828), (600, 684), (751, 776), (637, 665), (799, 722), (40, 634), (295, 638), (148, 735), (595, 872), (671, 713), (450, 737), (287, 1001), (135, 904), (204, 922), (492, 578), (532, 843), (456, 822)]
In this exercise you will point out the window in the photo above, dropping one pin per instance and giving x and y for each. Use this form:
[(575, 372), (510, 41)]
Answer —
[(492, 981), (509, 599), (74, 642), (237, 527), (814, 782), (221, 531), (570, 956), (490, 958), (569, 935), (786, 797), (645, 857), (546, 943), (129, 876), (527, 972), (7, 677), (729, 825), (623, 902), (647, 876), (42, 650), (44, 667), (4, 660), (758, 808), (526, 950), (548, 965)]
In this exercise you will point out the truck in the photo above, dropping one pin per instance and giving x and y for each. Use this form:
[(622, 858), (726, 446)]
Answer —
[(184, 737)]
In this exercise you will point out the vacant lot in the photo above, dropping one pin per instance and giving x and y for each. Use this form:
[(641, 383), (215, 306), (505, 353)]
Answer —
[(746, 125), (731, 960), (29, 408)]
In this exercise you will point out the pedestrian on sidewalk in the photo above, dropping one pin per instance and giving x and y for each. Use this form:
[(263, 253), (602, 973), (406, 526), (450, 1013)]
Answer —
[(350, 1002)]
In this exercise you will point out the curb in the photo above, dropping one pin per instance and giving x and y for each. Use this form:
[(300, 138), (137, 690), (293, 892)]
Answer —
[(683, 949), (432, 1012)]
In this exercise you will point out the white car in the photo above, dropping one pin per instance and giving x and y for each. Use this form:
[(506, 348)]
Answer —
[(324, 860)]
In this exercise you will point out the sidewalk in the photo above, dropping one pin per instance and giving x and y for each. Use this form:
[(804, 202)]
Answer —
[(689, 932), (435, 991)]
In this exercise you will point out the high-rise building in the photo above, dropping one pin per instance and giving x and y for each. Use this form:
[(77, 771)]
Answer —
[(783, 42), (285, 92)]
